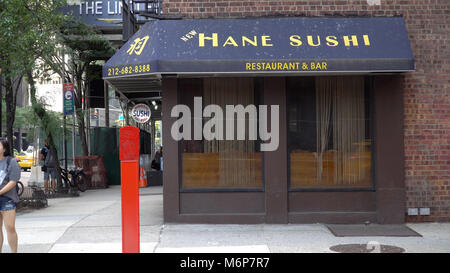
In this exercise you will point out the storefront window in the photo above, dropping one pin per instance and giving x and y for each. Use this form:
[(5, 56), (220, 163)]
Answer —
[(329, 132), (221, 164)]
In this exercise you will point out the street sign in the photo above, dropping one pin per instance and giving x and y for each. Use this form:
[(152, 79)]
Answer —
[(68, 93), (141, 113)]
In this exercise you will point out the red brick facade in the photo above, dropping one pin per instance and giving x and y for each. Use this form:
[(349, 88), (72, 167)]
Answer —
[(427, 90)]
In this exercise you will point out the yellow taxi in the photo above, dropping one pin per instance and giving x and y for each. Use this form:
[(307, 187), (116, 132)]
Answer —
[(25, 160)]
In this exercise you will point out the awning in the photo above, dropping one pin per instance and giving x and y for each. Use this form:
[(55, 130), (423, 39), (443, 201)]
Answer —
[(268, 45)]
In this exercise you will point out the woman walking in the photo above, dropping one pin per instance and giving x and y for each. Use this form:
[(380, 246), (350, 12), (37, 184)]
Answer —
[(9, 175)]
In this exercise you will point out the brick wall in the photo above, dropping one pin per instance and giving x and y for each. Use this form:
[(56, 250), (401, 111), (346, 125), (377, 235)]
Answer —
[(427, 93)]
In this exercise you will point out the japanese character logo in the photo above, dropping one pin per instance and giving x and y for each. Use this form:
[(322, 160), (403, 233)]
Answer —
[(138, 45)]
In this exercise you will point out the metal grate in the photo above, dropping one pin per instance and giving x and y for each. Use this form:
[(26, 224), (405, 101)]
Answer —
[(32, 197), (367, 248)]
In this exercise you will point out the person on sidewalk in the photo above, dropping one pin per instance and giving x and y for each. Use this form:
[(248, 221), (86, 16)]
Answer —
[(9, 175), (156, 162), (49, 167)]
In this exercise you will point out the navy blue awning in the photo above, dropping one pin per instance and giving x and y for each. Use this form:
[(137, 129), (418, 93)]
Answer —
[(269, 45)]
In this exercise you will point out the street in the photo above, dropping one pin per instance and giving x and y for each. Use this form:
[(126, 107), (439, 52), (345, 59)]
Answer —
[(331, 126), (91, 223)]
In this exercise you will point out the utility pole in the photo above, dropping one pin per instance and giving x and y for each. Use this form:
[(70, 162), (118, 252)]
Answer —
[(106, 91), (88, 116), (73, 138), (64, 115)]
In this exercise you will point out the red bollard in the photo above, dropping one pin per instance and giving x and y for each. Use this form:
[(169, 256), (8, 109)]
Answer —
[(129, 169)]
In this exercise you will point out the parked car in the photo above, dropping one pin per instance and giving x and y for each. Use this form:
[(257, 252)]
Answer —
[(25, 160)]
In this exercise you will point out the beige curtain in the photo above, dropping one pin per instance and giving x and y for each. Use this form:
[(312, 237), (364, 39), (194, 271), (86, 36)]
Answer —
[(324, 88), (237, 158), (344, 98)]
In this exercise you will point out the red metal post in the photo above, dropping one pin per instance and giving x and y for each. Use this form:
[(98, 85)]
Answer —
[(129, 169)]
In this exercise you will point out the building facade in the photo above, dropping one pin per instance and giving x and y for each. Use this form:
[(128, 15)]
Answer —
[(377, 152)]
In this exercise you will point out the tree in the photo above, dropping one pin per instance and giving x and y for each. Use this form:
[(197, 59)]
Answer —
[(15, 35), (28, 28), (84, 47), (38, 39)]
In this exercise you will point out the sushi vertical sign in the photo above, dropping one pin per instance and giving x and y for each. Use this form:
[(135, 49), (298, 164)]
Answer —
[(68, 92), (141, 113)]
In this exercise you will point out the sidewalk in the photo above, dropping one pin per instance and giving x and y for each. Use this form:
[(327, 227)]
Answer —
[(92, 223)]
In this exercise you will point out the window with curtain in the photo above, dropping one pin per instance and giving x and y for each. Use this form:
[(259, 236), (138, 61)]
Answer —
[(329, 132), (222, 164)]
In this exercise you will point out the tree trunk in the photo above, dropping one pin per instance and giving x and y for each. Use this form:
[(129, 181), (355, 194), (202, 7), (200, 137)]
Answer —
[(9, 117), (39, 110), (80, 116), (10, 100), (82, 133)]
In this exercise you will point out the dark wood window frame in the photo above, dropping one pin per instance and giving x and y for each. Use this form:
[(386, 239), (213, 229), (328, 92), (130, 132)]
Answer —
[(259, 91), (370, 89)]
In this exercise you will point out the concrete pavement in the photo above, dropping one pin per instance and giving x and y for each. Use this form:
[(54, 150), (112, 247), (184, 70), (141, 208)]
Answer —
[(89, 223), (92, 223)]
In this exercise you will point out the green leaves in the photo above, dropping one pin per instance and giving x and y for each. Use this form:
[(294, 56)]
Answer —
[(26, 117), (33, 36), (27, 28)]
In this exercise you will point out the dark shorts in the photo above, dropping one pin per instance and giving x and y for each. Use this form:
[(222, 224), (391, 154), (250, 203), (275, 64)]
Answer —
[(6, 203), (50, 173)]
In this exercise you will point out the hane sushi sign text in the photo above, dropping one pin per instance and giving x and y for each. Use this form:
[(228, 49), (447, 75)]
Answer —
[(141, 113), (296, 45)]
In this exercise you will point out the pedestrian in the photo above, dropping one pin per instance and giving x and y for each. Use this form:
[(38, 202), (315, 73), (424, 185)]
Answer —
[(42, 156), (49, 167), (9, 175), (161, 157), (156, 162)]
